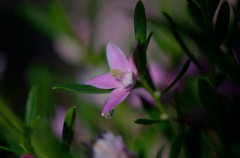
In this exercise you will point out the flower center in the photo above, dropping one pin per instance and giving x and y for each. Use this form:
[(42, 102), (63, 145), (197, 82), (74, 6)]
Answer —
[(116, 73), (124, 77)]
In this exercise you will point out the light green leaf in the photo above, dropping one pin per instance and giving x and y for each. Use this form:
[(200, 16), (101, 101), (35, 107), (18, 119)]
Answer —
[(30, 108), (16, 151), (159, 153)]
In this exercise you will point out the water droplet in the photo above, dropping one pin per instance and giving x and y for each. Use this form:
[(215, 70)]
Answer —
[(109, 114)]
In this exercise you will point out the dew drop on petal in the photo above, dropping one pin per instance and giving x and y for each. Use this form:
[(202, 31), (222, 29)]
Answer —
[(109, 114)]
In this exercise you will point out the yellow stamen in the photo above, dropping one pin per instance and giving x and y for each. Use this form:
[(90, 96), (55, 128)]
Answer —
[(116, 73)]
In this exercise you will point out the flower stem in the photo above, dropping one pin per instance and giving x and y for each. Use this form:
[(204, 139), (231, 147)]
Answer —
[(156, 96)]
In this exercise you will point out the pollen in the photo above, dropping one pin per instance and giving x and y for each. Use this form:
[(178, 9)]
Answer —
[(116, 73)]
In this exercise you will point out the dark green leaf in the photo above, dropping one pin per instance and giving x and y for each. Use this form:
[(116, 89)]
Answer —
[(16, 151), (207, 95), (148, 40), (169, 19), (143, 121), (82, 88), (222, 23), (140, 25), (209, 101), (159, 153), (30, 108), (140, 60), (212, 6), (69, 128), (177, 145), (195, 13), (217, 56), (182, 44), (179, 76), (193, 136)]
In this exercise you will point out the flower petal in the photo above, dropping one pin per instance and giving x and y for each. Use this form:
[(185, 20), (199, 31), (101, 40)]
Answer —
[(131, 60), (104, 81), (115, 98), (116, 58)]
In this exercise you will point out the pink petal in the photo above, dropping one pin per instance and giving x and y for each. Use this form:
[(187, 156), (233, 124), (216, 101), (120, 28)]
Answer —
[(115, 98), (104, 81), (131, 60), (116, 58), (27, 156)]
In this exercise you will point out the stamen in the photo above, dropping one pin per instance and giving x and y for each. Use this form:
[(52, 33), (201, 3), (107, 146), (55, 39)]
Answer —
[(116, 73)]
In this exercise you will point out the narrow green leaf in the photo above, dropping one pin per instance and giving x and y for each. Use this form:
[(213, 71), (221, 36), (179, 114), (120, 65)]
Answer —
[(82, 88), (143, 121), (217, 56), (177, 145), (35, 122), (69, 128), (207, 95), (179, 76), (148, 40), (159, 153), (140, 25), (182, 44), (212, 6), (195, 13), (209, 101), (30, 108), (16, 151), (140, 59), (222, 23)]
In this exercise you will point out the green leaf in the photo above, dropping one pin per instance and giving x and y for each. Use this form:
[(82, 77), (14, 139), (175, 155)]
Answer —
[(35, 122), (212, 6), (177, 145), (140, 59), (148, 40), (179, 76), (180, 41), (159, 153), (82, 88), (207, 95), (195, 13), (28, 131), (217, 56), (209, 101), (143, 121), (140, 25), (222, 23), (16, 151), (69, 128), (30, 108)]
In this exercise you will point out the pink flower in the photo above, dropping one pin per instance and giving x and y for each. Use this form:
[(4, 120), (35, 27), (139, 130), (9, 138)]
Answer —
[(122, 77), (109, 146)]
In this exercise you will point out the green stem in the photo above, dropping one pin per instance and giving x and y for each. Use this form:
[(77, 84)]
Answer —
[(156, 96)]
